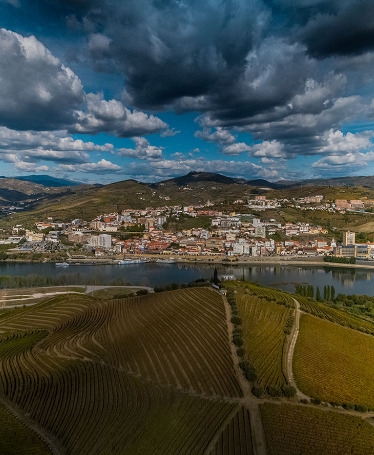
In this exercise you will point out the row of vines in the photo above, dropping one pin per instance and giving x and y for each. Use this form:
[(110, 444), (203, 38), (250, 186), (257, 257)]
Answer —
[(150, 374), (266, 319)]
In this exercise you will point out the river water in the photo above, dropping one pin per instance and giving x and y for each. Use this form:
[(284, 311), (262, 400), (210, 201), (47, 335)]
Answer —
[(345, 280)]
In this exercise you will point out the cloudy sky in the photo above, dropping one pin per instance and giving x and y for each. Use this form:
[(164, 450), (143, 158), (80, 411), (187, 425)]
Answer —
[(105, 90)]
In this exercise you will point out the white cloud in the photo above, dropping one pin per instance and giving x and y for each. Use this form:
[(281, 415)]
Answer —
[(270, 149), (143, 150), (48, 140), (237, 149), (102, 167), (36, 90), (337, 142), (169, 132), (220, 136), (344, 163), (99, 43), (113, 117)]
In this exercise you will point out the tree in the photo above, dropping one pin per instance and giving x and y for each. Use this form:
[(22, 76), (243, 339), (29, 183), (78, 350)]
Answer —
[(215, 276), (332, 293), (318, 294)]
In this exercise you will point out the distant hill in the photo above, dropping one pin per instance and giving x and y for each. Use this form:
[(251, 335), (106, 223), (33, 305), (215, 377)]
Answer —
[(198, 177), (41, 196), (47, 180)]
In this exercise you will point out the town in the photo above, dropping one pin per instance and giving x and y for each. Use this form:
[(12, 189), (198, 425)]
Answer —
[(227, 237)]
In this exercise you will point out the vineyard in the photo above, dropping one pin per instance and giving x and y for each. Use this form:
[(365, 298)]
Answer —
[(335, 315), (16, 439), (151, 374), (160, 374), (266, 318), (327, 350), (294, 430)]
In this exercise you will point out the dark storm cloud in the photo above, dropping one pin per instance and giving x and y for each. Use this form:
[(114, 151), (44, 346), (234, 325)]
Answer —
[(348, 31), (167, 50), (36, 89), (326, 27), (256, 66)]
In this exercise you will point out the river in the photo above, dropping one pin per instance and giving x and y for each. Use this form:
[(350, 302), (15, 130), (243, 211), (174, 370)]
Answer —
[(284, 277)]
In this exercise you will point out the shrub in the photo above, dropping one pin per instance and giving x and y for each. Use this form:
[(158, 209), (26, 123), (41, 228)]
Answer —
[(288, 391), (142, 292), (274, 391), (258, 391), (248, 370), (237, 340), (237, 320), (237, 331)]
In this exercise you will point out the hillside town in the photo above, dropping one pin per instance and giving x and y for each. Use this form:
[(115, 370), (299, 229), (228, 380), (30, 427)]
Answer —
[(228, 236)]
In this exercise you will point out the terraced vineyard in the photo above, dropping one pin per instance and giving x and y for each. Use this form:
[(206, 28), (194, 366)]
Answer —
[(294, 430), (327, 350), (236, 438), (335, 315), (150, 374), (265, 315), (16, 439), (160, 374)]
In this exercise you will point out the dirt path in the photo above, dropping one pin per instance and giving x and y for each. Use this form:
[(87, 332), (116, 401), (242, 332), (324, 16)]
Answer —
[(289, 352), (90, 289), (248, 400)]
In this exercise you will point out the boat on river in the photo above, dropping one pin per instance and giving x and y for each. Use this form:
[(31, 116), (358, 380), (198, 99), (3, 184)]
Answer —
[(127, 261), (166, 261), (62, 264)]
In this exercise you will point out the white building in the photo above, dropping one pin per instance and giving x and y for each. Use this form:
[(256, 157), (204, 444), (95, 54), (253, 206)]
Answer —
[(242, 247), (101, 240)]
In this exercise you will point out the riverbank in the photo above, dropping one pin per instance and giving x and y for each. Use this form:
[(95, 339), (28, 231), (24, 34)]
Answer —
[(218, 260)]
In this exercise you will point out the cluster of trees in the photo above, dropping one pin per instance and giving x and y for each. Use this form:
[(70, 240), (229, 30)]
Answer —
[(308, 290), (237, 338), (339, 260), (200, 282), (246, 366)]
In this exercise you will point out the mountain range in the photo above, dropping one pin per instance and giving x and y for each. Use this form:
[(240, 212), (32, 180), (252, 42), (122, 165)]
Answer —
[(43, 195)]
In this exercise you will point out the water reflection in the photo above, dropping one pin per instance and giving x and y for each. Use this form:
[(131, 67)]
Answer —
[(284, 277)]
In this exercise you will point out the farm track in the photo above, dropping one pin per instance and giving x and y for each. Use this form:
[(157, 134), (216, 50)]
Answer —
[(258, 446), (287, 353), (288, 360)]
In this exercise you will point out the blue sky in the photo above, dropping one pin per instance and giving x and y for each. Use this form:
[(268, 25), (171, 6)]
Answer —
[(104, 90)]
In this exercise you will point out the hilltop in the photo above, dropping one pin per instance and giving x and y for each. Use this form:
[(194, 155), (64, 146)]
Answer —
[(35, 198)]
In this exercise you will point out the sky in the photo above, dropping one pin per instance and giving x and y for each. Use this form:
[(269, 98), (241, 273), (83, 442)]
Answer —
[(100, 91)]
